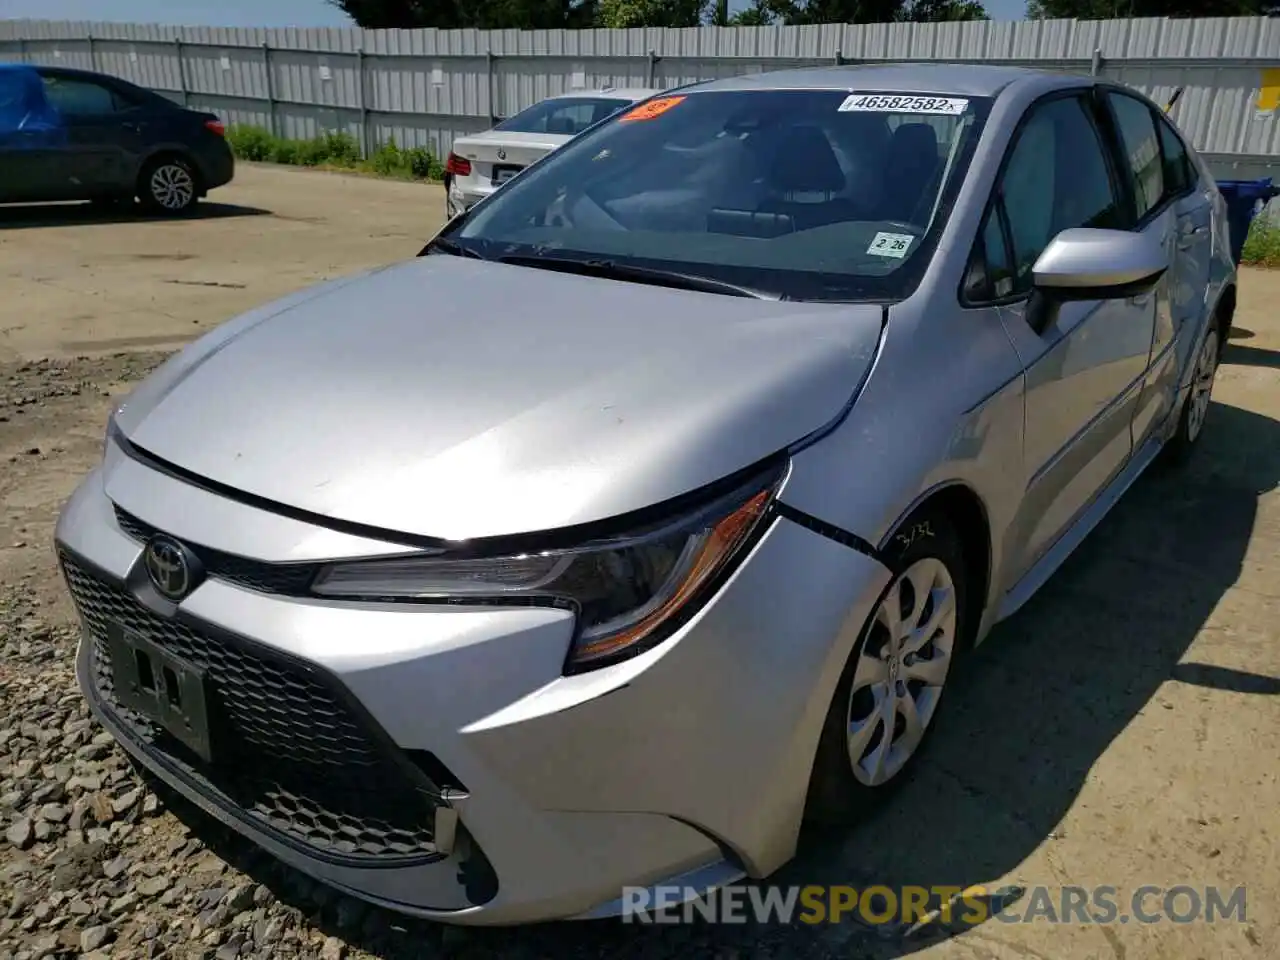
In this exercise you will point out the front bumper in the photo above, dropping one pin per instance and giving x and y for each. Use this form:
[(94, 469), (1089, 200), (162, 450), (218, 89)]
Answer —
[(552, 801)]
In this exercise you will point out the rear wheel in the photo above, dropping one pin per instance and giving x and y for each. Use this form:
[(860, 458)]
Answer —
[(168, 185), (1195, 409), (891, 690)]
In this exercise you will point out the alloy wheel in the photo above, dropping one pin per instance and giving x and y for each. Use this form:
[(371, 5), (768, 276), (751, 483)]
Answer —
[(172, 186), (1202, 384), (901, 671)]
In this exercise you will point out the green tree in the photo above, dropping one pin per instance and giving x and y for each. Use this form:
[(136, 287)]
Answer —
[(1111, 9), (858, 11), (621, 14), (552, 14), (479, 14)]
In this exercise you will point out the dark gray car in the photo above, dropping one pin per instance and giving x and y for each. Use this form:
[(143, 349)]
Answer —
[(76, 135)]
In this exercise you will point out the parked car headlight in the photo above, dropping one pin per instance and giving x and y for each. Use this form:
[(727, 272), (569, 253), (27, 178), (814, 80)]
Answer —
[(629, 592)]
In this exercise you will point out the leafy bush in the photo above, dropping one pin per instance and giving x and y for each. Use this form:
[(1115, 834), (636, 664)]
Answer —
[(423, 165), (251, 143), (336, 149), (1262, 248), (286, 151), (389, 160), (341, 148)]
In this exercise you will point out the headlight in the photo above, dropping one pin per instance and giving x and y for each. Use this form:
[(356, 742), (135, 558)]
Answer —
[(629, 592), (112, 435)]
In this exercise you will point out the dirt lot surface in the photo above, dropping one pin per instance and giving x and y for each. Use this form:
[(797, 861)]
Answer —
[(1120, 731)]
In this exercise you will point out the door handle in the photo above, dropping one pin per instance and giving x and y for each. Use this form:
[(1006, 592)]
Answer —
[(1188, 235)]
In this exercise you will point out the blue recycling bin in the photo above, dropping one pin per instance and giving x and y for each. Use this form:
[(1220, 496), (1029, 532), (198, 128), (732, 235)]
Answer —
[(1245, 200)]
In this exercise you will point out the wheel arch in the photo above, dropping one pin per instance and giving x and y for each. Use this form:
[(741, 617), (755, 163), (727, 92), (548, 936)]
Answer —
[(1224, 312), (962, 505), (169, 152)]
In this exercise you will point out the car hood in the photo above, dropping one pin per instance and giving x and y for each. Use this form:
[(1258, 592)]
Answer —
[(454, 398)]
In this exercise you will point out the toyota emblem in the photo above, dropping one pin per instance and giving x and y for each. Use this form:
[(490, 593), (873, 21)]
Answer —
[(170, 567)]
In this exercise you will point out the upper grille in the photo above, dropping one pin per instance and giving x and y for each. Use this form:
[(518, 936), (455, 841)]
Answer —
[(296, 758), (289, 579)]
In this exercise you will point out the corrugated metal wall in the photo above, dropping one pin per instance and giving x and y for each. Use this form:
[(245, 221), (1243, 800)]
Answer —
[(425, 87)]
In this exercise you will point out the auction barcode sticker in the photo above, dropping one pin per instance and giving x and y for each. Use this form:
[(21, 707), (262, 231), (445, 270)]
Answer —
[(896, 103)]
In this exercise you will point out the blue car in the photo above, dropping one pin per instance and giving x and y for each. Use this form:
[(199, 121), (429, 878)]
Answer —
[(76, 135)]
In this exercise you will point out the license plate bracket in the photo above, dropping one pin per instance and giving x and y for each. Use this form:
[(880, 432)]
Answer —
[(502, 173), (166, 689)]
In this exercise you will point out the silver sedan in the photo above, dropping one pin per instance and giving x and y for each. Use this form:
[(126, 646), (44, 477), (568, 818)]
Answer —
[(647, 512)]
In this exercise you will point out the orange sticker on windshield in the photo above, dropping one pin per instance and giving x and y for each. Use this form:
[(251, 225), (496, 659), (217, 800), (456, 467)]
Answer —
[(654, 108)]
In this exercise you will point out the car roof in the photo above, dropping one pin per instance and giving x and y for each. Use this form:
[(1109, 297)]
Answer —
[(74, 73), (617, 93), (965, 79)]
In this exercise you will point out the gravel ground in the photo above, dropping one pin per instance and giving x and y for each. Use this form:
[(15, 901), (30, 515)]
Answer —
[(1117, 731)]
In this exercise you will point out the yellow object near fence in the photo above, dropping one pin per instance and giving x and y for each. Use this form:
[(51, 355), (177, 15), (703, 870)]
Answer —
[(1269, 90)]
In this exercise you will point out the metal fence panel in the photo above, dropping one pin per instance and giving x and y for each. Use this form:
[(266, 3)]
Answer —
[(425, 87)]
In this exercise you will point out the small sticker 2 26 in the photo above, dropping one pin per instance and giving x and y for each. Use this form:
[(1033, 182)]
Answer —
[(890, 244), (897, 103)]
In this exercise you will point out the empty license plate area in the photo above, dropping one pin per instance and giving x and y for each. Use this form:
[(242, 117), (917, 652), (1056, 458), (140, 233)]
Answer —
[(504, 172), (163, 688)]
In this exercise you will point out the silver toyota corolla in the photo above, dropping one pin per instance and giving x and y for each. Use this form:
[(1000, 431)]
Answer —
[(644, 515)]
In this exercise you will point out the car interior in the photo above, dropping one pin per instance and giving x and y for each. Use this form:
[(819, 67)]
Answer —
[(807, 176)]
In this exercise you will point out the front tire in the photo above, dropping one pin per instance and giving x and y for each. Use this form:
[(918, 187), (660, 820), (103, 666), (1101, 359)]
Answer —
[(168, 186), (891, 690), (1195, 409)]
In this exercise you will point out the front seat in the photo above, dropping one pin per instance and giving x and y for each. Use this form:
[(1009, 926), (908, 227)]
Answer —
[(914, 149), (562, 126), (803, 181)]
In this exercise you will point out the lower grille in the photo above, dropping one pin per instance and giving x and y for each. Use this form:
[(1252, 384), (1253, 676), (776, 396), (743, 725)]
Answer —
[(292, 757)]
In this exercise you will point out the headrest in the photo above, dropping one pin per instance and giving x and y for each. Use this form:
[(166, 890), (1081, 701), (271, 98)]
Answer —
[(805, 163), (914, 139)]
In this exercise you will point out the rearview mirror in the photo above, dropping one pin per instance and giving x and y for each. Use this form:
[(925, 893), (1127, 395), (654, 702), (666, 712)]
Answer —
[(1087, 264)]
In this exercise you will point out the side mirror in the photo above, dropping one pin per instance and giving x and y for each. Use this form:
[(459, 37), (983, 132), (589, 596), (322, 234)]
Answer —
[(1088, 264)]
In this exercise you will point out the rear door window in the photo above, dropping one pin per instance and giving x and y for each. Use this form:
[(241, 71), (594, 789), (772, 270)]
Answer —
[(81, 98), (1178, 175)]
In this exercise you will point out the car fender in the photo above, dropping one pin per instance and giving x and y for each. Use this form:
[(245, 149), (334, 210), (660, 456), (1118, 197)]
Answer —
[(935, 413), (164, 147)]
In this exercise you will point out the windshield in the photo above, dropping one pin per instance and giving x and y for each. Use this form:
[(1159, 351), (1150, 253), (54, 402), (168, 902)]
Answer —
[(563, 115), (806, 194)]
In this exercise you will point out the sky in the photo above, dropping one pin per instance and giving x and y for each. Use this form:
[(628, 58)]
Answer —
[(254, 13)]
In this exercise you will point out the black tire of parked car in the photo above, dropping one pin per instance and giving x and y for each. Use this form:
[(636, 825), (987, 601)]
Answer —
[(168, 185), (836, 798)]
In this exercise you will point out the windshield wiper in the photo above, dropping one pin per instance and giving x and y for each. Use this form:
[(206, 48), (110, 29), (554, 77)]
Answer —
[(613, 270), (453, 248)]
